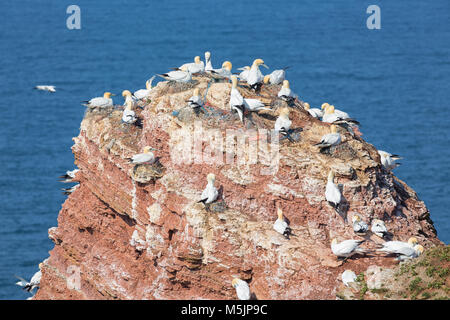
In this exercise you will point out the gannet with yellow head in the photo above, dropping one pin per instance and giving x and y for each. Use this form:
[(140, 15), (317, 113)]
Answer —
[(100, 102), (388, 160), (210, 192), (346, 248), (255, 78), (69, 176), (348, 276), (359, 226), (208, 66), (286, 93), (128, 115), (283, 123), (242, 289), (276, 77), (225, 71), (194, 67), (315, 112), (143, 93), (332, 192), (244, 74), (182, 75), (146, 157), (281, 226), (403, 250), (236, 99), (128, 97), (329, 140), (195, 102)]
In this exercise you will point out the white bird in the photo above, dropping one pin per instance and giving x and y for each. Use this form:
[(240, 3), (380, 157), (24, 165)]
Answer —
[(143, 93), (242, 289), (346, 248), (332, 192), (34, 282), (244, 74), (208, 65), (195, 102), (210, 192), (276, 77), (348, 276), (100, 102), (45, 88), (183, 75), (286, 93), (69, 176), (281, 226), (128, 97), (379, 228), (194, 67), (404, 252), (359, 226), (68, 191), (283, 123), (129, 116), (388, 160), (225, 71), (315, 112), (331, 115), (255, 78), (146, 157), (236, 99), (393, 246), (330, 139), (253, 105)]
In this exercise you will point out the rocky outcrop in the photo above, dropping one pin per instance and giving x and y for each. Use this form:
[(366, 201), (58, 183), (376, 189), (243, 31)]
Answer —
[(139, 233)]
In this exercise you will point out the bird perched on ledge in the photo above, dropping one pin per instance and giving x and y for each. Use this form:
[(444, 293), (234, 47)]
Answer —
[(129, 116), (210, 192), (276, 77), (330, 139), (224, 72), (143, 93), (359, 226), (100, 102), (242, 289), (183, 75), (346, 248), (388, 160), (255, 78), (332, 192), (193, 67), (69, 176), (283, 123), (281, 226), (208, 64), (315, 112), (195, 102), (379, 228), (146, 157), (286, 93)]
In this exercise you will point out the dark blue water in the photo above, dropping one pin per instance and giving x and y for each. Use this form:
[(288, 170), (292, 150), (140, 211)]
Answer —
[(395, 81)]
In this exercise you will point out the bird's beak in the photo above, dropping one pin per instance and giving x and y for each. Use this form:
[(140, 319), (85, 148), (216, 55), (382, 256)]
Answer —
[(265, 66), (112, 94)]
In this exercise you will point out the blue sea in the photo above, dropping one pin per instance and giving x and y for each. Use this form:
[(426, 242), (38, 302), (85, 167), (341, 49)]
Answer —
[(395, 81)]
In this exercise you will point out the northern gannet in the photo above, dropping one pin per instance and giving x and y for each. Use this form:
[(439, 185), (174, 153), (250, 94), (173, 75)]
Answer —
[(331, 116), (281, 226), (346, 248), (388, 160), (242, 289), (359, 226), (69, 176), (283, 123), (330, 139), (195, 102), (68, 191), (315, 112), (404, 252), (244, 74), (146, 157), (100, 102), (255, 78), (128, 97), (208, 65), (392, 246), (276, 77), (225, 71), (143, 93), (183, 75), (332, 192), (210, 192), (34, 282), (193, 67), (286, 93), (348, 276), (253, 105), (379, 228), (236, 99), (45, 88), (129, 116)]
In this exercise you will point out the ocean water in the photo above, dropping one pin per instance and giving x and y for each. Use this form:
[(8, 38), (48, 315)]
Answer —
[(395, 81)]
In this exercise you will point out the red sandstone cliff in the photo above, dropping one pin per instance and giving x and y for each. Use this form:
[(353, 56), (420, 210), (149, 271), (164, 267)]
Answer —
[(185, 252)]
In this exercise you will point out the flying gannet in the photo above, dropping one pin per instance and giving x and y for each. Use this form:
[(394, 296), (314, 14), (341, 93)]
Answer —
[(242, 289), (225, 71), (283, 123), (388, 160), (195, 102), (359, 226), (210, 192), (330, 139), (208, 65), (193, 67), (143, 93), (100, 102), (348, 276), (276, 77), (281, 226), (244, 73), (183, 75), (68, 191), (146, 157), (286, 93), (315, 112), (255, 78), (69, 176), (34, 282), (129, 116), (346, 248), (332, 192), (45, 88), (379, 228)]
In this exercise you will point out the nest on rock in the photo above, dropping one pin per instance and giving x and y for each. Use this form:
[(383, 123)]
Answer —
[(144, 173)]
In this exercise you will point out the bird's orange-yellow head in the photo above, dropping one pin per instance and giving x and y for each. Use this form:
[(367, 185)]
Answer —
[(227, 65)]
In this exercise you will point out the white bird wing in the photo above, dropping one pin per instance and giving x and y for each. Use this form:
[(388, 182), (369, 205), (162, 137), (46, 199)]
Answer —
[(129, 116), (332, 193), (282, 123), (280, 226), (141, 93), (36, 279), (254, 76), (236, 98), (277, 76), (142, 157), (243, 290), (347, 246), (254, 105)]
